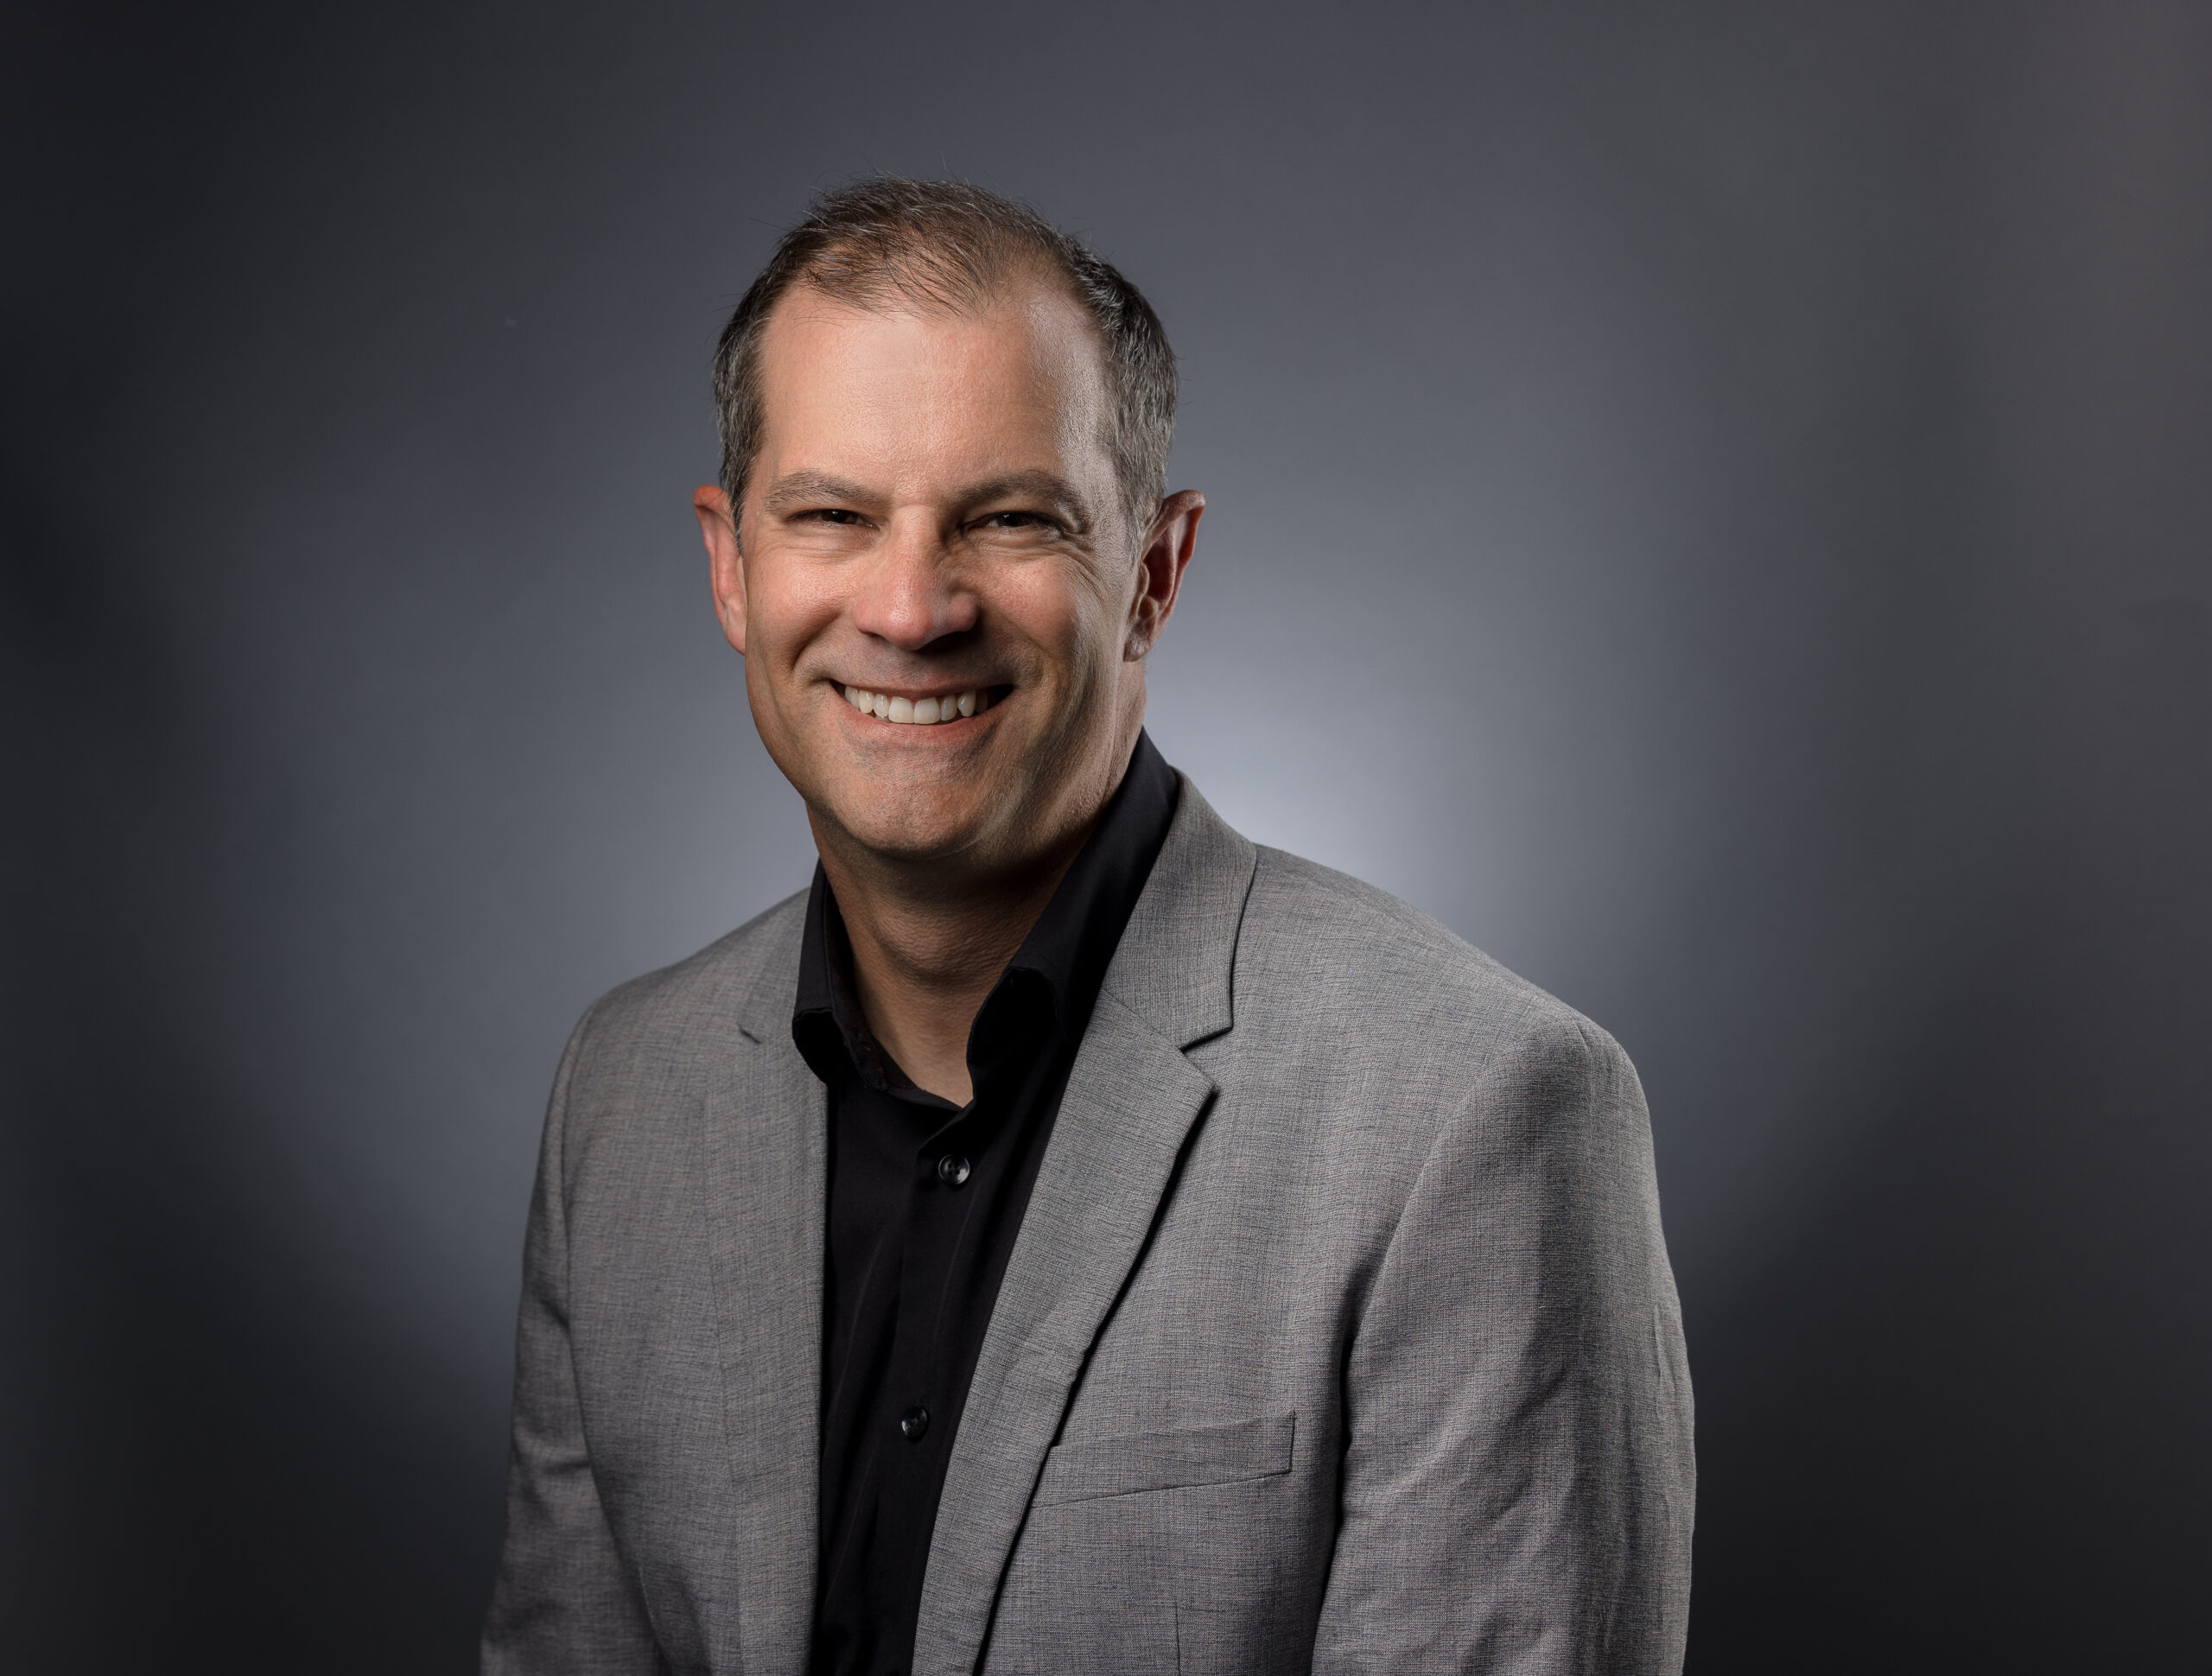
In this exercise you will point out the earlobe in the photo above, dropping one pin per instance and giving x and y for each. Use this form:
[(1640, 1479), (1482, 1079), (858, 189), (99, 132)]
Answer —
[(1144, 629)]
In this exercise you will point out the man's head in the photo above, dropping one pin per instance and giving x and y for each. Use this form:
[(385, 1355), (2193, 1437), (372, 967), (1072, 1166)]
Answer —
[(945, 429)]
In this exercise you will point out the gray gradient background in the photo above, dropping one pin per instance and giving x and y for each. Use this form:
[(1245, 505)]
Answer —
[(1709, 501)]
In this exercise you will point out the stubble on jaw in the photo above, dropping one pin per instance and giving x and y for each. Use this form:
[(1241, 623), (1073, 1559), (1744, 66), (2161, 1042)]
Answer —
[(910, 796)]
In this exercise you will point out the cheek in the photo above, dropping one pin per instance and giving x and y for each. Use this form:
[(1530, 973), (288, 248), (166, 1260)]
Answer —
[(787, 607), (1067, 617)]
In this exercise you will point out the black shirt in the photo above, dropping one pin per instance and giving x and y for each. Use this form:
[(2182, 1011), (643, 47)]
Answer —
[(926, 1199)]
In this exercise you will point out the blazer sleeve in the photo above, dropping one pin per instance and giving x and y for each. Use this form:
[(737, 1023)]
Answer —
[(563, 1602), (1519, 1478)]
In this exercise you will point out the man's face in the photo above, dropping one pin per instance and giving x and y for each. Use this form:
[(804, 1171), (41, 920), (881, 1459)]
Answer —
[(933, 513)]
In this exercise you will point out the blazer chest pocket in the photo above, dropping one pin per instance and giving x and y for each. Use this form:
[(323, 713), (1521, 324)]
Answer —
[(1094, 1468)]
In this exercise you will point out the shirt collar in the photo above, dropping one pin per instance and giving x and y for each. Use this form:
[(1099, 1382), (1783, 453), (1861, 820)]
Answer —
[(1047, 991)]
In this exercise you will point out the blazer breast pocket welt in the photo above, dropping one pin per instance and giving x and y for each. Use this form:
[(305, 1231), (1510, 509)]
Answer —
[(1092, 1468)]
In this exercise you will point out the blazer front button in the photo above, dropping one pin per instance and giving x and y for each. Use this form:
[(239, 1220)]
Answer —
[(913, 1423), (952, 1170)]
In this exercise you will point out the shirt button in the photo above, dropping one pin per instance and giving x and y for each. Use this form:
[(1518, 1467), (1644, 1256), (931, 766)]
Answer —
[(952, 1171), (913, 1423)]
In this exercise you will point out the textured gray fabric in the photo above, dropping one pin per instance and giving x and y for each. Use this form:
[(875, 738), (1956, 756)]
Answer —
[(1339, 1335)]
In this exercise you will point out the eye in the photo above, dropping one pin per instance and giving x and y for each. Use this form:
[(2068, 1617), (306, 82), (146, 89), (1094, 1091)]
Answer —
[(1018, 521), (833, 515)]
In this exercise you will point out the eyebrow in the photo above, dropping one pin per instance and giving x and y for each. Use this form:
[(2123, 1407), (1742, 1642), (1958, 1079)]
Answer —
[(1055, 491), (808, 489), (812, 488)]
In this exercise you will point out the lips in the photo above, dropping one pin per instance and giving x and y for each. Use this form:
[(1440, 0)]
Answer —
[(944, 707)]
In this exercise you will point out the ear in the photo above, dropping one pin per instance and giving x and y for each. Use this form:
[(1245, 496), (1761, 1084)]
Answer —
[(1167, 550), (725, 563)]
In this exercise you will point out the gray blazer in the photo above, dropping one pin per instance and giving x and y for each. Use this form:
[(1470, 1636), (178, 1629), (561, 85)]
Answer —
[(1339, 1335)]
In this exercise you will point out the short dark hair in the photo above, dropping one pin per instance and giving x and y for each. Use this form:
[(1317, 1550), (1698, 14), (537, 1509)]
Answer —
[(945, 245)]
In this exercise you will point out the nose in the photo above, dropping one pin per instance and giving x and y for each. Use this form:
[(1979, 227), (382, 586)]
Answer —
[(908, 595)]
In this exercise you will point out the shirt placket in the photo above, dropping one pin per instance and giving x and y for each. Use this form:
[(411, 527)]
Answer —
[(920, 1407)]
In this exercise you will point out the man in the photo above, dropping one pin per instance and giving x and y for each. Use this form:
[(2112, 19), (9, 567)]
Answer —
[(1068, 1237)]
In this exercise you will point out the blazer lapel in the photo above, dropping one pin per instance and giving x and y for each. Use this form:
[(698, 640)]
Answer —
[(766, 1154), (1132, 1098)]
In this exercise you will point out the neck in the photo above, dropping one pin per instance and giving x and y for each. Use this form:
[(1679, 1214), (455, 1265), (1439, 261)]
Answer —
[(927, 948)]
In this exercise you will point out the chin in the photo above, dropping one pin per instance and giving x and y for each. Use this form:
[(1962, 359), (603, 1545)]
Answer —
[(908, 823)]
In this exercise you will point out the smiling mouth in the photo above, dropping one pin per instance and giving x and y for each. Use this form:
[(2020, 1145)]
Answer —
[(945, 706)]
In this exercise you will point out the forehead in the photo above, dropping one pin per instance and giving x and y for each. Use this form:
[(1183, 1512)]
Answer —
[(1020, 381)]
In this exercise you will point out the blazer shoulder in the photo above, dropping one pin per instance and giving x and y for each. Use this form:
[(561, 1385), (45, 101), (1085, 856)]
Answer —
[(723, 986), (1356, 961)]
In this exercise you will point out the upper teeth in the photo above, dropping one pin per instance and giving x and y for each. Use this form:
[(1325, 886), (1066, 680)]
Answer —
[(948, 708)]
